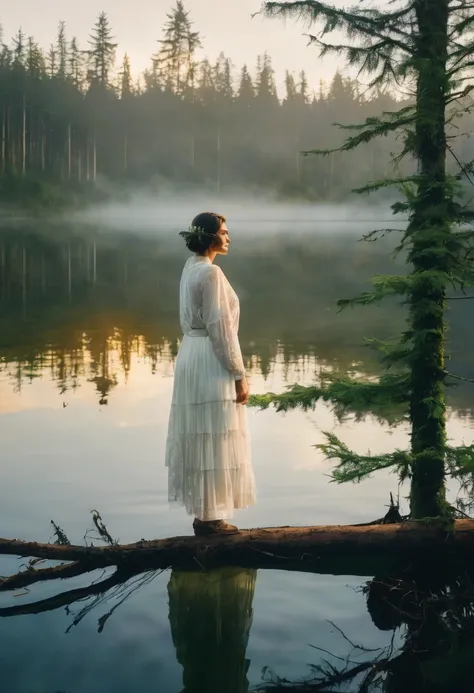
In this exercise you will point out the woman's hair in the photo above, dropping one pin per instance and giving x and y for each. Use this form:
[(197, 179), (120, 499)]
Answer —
[(202, 232)]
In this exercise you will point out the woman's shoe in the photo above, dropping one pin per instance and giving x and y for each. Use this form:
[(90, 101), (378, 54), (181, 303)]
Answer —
[(206, 529)]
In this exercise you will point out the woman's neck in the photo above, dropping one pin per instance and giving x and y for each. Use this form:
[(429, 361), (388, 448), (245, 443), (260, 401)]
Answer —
[(211, 255)]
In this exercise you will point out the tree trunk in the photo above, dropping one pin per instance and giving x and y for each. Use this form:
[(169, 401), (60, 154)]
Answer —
[(8, 142), (94, 263), (69, 271), (339, 549), (43, 145), (23, 139), (94, 160), (193, 151), (218, 161), (4, 133), (427, 295), (88, 157), (23, 277), (69, 152)]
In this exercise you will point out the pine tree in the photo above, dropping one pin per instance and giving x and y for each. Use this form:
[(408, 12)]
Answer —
[(126, 81), (19, 49), (52, 62), (102, 52), (75, 64), (35, 64), (266, 89), (303, 88), (191, 79), (223, 78), (340, 89), (206, 84), (61, 51), (322, 90), (6, 56), (246, 93), (291, 90), (428, 43), (175, 59)]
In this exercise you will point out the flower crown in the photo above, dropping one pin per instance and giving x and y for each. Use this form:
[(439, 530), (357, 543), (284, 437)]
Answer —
[(195, 231)]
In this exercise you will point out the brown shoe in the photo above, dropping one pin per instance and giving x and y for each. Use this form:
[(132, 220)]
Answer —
[(206, 529)]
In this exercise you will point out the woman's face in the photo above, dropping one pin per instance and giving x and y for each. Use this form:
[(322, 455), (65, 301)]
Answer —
[(222, 242)]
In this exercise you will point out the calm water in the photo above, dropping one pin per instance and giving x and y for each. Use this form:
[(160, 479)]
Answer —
[(88, 333)]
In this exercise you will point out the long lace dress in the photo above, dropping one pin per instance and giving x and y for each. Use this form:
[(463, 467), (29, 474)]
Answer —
[(208, 446)]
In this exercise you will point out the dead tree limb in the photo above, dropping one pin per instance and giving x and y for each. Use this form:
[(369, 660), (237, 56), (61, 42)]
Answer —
[(307, 549), (64, 598)]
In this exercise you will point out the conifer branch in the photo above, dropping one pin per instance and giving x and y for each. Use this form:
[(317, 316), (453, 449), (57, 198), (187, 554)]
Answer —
[(352, 467), (459, 298), (386, 183), (358, 22), (371, 129), (384, 286), (385, 398), (458, 377)]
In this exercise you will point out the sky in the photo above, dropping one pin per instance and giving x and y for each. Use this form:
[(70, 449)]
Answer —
[(225, 25)]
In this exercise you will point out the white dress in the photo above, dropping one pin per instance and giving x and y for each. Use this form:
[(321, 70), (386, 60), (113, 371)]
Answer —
[(208, 446)]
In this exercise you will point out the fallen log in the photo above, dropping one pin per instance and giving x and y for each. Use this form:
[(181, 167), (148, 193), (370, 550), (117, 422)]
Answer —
[(307, 549)]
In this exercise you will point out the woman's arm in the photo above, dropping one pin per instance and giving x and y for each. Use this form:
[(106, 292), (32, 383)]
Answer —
[(219, 322)]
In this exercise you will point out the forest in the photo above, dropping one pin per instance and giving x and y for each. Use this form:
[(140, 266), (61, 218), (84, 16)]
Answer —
[(76, 121)]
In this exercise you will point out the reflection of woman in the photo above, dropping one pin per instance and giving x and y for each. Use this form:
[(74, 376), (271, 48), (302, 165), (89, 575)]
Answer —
[(208, 450), (210, 617)]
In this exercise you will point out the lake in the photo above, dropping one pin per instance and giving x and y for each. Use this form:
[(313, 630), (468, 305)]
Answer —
[(88, 335)]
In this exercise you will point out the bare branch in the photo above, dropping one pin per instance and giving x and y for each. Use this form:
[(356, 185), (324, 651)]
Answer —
[(458, 377), (63, 599)]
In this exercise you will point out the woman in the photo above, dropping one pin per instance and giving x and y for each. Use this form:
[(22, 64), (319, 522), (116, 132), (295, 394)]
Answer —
[(208, 447)]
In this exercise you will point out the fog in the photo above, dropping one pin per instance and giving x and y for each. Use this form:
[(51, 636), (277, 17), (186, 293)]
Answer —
[(148, 216)]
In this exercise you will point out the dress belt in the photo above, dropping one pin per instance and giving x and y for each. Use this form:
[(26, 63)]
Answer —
[(197, 333)]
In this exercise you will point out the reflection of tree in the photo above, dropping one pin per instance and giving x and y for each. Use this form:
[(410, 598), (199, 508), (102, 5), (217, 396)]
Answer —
[(430, 610), (66, 306), (210, 618), (102, 374)]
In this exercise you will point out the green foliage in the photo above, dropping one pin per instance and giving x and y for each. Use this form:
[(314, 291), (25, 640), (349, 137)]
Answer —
[(173, 64), (355, 468), (101, 53), (372, 129), (384, 286), (427, 47), (460, 467), (386, 398)]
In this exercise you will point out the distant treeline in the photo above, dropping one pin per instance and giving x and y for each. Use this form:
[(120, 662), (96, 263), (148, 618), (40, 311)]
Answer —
[(71, 115)]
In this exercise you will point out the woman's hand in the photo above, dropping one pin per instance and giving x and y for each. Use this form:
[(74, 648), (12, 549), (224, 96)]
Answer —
[(242, 391)]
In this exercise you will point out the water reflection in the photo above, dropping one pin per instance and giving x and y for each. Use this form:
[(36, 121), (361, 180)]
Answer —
[(93, 313), (210, 618), (77, 307), (428, 609)]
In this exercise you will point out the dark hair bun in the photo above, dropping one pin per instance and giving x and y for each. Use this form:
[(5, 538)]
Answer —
[(202, 232)]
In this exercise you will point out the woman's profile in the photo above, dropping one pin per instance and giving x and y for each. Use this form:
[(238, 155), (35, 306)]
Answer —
[(208, 446)]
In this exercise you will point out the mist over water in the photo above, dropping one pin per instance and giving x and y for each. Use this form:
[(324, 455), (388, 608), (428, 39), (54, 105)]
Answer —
[(148, 216)]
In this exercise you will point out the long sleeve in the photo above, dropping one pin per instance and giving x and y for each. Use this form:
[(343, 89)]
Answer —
[(220, 323)]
